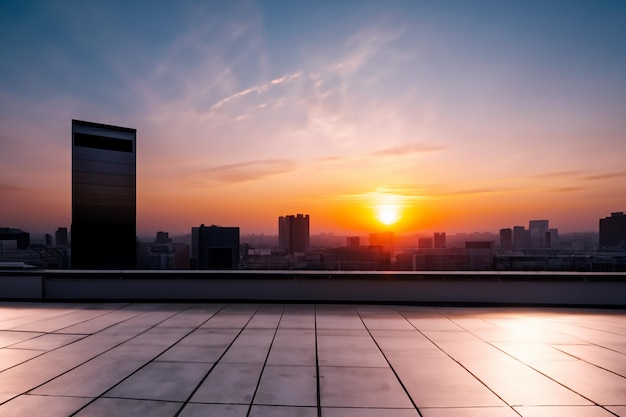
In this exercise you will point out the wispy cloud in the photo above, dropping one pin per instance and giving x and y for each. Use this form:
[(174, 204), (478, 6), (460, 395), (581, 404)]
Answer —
[(256, 89), (240, 172), (559, 174), (415, 148), (605, 176)]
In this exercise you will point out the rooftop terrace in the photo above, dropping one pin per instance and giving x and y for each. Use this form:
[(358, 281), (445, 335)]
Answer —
[(330, 360)]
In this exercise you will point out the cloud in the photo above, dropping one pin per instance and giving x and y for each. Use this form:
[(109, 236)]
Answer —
[(409, 149), (605, 176), (256, 89), (566, 189), (10, 188), (559, 174), (240, 172)]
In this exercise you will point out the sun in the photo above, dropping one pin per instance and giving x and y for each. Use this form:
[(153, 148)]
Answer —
[(388, 214)]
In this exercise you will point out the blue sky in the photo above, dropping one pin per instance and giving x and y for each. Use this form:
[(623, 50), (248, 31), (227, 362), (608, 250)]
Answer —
[(510, 110)]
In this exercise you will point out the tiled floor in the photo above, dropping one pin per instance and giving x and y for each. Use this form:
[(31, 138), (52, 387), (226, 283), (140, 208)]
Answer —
[(237, 360)]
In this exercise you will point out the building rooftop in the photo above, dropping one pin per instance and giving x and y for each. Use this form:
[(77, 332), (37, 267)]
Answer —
[(330, 360)]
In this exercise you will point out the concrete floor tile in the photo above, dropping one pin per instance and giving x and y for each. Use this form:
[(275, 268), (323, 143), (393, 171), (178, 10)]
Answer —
[(275, 411), (37, 405), (601, 386), (293, 347), (166, 381), (596, 355), (287, 385), (361, 387), (229, 383), (581, 411), (218, 410), (48, 341), (469, 412), (9, 338), (369, 412), (449, 384), (114, 407), (619, 410), (12, 357)]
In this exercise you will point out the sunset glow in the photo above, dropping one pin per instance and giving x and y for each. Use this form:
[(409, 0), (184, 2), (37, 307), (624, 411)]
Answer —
[(388, 214), (368, 116)]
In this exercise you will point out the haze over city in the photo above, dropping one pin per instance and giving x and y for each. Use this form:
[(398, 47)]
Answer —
[(369, 116)]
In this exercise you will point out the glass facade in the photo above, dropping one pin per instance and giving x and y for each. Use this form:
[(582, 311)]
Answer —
[(103, 196)]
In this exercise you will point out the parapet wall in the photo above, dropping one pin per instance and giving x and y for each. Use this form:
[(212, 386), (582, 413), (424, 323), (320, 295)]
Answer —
[(462, 288)]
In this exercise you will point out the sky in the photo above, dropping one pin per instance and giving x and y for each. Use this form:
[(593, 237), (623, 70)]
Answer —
[(451, 116)]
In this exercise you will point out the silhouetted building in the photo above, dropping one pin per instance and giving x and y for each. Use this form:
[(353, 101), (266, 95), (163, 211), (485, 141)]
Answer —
[(613, 231), (521, 238), (163, 254), (60, 237), (48, 239), (293, 234), (20, 239), (162, 237), (425, 243), (506, 239), (103, 196), (440, 240), (353, 241), (214, 247), (538, 230)]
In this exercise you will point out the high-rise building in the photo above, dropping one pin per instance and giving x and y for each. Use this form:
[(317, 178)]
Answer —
[(440, 240), (293, 233), (214, 247), (506, 239), (538, 230), (353, 241), (60, 237), (103, 196), (613, 231), (521, 238)]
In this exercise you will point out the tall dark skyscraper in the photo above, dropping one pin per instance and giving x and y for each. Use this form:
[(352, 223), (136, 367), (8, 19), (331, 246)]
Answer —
[(103, 232), (293, 233)]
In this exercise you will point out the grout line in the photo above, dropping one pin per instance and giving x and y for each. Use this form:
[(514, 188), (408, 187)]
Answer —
[(145, 364), (193, 392), (317, 365), (406, 391), (258, 383)]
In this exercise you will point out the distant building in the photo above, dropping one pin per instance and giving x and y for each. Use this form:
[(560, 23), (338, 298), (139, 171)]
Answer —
[(613, 232), (162, 237), (48, 239), (425, 243), (538, 230), (293, 234), (17, 238), (506, 239), (521, 238), (162, 253), (214, 247), (440, 240), (60, 237), (481, 255), (353, 241), (103, 196)]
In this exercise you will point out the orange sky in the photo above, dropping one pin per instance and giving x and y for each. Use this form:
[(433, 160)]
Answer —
[(465, 118)]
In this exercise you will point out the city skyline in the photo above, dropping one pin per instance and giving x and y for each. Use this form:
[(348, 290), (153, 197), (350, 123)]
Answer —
[(452, 117)]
